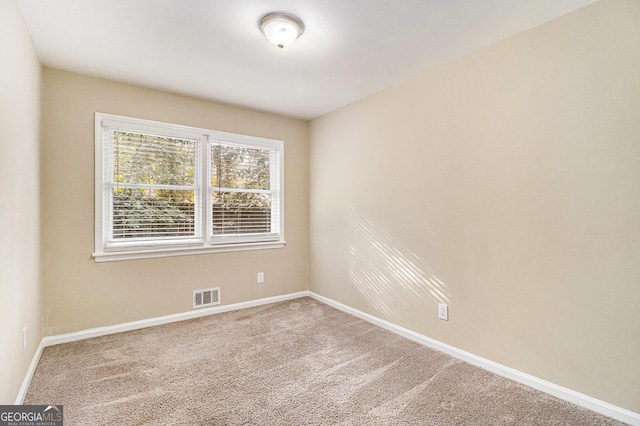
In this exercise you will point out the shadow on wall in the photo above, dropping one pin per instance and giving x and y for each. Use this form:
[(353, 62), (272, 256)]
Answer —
[(392, 278)]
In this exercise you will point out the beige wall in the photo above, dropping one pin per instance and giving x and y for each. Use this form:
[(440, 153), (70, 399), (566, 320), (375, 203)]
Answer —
[(80, 293), (507, 185), (20, 76)]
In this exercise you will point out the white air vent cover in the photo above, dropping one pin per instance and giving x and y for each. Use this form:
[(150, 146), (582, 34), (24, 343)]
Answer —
[(206, 297)]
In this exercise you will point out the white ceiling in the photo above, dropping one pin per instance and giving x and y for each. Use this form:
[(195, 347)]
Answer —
[(213, 49)]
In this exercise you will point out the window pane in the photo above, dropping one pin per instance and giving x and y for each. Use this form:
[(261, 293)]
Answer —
[(146, 213), (241, 213), (153, 160), (240, 168)]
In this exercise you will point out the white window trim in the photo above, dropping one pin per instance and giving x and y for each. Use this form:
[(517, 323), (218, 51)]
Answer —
[(185, 247)]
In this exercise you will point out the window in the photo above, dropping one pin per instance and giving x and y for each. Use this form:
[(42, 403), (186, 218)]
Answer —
[(164, 190)]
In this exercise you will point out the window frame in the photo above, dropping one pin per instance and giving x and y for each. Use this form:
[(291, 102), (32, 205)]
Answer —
[(206, 242)]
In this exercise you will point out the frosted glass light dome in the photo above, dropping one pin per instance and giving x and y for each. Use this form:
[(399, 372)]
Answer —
[(281, 29)]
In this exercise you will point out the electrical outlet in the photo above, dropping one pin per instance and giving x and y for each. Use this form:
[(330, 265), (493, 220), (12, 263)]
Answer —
[(443, 311), (260, 277), (24, 338)]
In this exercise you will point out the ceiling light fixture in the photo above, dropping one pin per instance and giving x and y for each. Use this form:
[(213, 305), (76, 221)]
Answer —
[(281, 29)]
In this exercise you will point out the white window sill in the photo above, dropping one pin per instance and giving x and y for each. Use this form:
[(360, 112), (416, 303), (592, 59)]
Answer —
[(185, 251)]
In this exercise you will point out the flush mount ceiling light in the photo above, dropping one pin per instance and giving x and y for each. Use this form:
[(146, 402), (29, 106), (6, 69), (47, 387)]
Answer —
[(281, 29)]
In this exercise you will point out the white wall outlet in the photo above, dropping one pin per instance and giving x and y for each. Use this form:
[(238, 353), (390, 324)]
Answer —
[(24, 338), (443, 311), (260, 277)]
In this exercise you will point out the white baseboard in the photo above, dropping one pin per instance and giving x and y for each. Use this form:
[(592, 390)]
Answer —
[(135, 325), (563, 393), (27, 379)]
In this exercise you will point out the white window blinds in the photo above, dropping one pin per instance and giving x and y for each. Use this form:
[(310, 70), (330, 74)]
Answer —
[(244, 197), (152, 188)]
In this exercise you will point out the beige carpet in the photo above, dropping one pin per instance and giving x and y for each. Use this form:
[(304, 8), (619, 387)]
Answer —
[(292, 363)]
